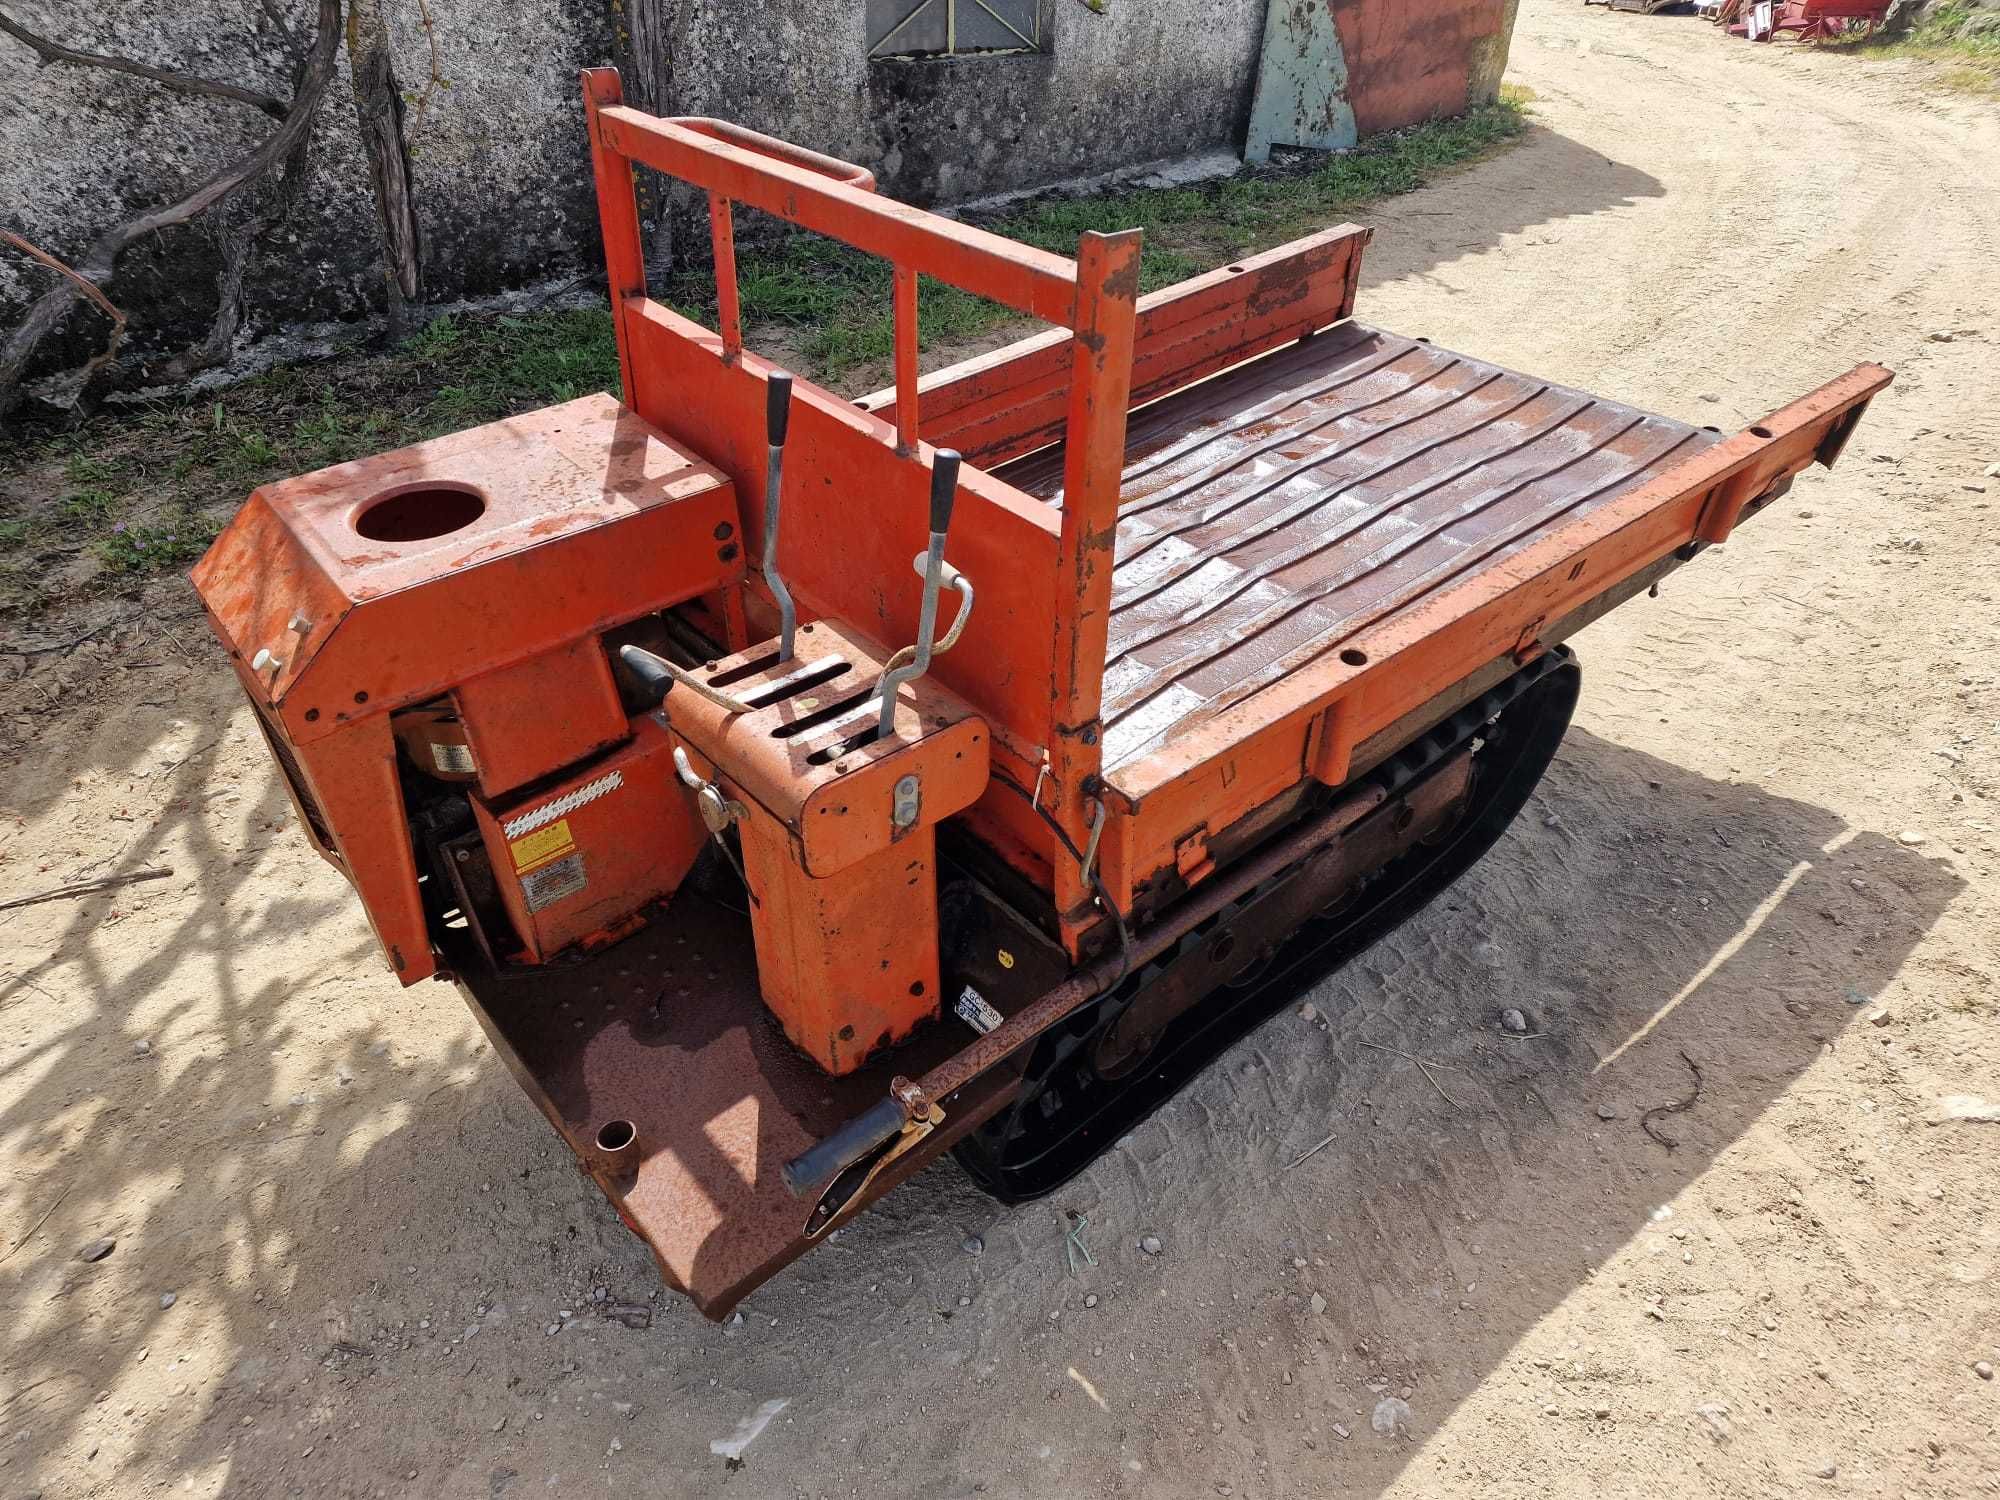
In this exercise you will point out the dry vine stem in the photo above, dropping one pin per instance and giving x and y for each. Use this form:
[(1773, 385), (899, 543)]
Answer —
[(186, 83), (89, 289)]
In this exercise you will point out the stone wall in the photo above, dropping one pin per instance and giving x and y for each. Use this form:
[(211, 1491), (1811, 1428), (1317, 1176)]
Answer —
[(500, 172), (501, 182)]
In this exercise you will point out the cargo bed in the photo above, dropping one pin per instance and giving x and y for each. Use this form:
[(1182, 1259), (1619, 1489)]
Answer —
[(1285, 504)]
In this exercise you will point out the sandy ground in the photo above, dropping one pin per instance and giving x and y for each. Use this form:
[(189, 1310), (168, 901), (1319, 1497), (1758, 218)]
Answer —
[(1767, 852)]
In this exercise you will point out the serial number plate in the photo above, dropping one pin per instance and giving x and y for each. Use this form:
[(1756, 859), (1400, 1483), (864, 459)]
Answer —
[(975, 1012)]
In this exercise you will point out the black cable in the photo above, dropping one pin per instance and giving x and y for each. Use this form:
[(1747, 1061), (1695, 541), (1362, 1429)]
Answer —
[(1097, 883)]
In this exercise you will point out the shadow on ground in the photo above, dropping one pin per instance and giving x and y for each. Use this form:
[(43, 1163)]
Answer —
[(367, 1265), (1546, 179)]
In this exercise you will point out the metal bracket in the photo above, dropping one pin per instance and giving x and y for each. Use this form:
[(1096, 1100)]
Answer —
[(1529, 645), (1191, 856), (906, 802), (717, 812)]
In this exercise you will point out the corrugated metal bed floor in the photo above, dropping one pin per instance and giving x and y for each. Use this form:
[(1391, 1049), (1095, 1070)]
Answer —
[(1272, 511)]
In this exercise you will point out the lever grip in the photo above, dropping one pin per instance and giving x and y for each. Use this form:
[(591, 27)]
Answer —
[(650, 670), (777, 406), (816, 1166), (944, 487)]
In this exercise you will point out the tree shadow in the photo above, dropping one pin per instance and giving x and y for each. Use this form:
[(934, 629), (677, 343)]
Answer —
[(367, 1268)]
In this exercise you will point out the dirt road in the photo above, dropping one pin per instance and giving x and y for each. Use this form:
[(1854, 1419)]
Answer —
[(1762, 878)]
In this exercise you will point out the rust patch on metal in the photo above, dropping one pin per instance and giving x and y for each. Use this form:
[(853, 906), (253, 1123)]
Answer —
[(666, 1032)]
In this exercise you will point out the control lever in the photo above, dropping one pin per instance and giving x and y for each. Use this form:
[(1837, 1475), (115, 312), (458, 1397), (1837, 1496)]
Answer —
[(777, 416), (944, 490)]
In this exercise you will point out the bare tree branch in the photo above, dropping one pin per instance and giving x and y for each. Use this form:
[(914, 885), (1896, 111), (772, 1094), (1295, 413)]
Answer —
[(186, 83), (48, 311), (213, 349), (89, 289), (237, 244)]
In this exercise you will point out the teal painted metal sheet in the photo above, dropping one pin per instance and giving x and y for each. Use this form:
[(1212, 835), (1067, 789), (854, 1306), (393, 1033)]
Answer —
[(1301, 83)]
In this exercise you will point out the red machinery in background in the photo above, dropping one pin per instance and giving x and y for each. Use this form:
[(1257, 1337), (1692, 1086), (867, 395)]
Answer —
[(1809, 20), (795, 799)]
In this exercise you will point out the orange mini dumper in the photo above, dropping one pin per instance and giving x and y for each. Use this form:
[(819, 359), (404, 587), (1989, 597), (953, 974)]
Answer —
[(795, 800)]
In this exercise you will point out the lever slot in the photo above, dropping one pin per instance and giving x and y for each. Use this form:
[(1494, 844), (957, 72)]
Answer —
[(822, 716), (730, 676), (825, 670), (845, 746)]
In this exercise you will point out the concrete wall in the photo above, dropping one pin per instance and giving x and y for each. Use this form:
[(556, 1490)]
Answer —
[(1143, 80)]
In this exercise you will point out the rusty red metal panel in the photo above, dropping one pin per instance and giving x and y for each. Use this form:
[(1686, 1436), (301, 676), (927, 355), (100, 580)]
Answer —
[(666, 1033), (1416, 59)]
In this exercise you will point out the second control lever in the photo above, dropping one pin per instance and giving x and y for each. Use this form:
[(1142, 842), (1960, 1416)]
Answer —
[(944, 490), (777, 415)]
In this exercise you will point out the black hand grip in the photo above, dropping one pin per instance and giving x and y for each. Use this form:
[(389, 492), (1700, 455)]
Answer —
[(944, 487), (813, 1168), (777, 406), (654, 678)]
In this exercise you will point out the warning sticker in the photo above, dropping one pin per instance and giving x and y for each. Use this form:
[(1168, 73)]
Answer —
[(541, 846), (456, 758), (975, 1012), (563, 806), (552, 882)]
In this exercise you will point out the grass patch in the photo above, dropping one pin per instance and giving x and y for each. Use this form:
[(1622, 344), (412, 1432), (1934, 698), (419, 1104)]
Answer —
[(150, 547), (1962, 42), (138, 493), (141, 492)]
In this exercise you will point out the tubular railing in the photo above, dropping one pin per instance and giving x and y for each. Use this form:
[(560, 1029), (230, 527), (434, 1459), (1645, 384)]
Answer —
[(734, 165), (1093, 296)]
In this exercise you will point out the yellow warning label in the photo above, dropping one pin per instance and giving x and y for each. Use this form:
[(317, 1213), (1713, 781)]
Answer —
[(543, 845)]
